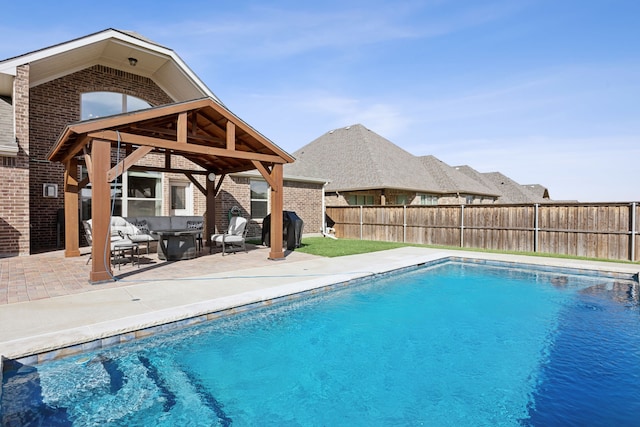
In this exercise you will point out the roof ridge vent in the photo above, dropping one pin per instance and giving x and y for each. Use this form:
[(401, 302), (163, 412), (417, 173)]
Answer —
[(347, 128)]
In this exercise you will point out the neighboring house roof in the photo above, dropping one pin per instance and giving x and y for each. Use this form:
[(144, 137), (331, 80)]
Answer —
[(356, 158), (8, 144), (111, 48), (538, 190), (509, 190), (451, 180)]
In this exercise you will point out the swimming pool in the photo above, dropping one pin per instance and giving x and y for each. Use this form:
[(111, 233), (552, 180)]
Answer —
[(451, 344)]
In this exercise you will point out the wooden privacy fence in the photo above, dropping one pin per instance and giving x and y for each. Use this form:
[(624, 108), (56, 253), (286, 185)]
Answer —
[(601, 230)]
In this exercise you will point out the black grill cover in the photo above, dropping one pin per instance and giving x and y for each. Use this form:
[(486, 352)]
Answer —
[(292, 226)]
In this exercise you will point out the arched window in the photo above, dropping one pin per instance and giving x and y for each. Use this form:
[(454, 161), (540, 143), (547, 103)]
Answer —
[(101, 104), (136, 193)]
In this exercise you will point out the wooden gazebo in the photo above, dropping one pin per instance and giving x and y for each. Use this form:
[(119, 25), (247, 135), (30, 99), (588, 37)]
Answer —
[(202, 131)]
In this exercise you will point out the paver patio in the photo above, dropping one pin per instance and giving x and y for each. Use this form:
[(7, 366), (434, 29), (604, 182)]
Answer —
[(50, 274)]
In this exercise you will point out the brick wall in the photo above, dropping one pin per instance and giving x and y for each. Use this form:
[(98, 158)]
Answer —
[(303, 198), (53, 105), (306, 200), (14, 178)]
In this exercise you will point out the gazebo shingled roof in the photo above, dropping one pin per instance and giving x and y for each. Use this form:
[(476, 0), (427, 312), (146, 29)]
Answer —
[(202, 131)]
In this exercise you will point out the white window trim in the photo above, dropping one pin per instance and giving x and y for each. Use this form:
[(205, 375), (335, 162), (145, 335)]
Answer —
[(259, 220)]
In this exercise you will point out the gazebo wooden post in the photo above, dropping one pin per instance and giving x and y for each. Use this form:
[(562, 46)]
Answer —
[(100, 212), (277, 199), (210, 220), (71, 189)]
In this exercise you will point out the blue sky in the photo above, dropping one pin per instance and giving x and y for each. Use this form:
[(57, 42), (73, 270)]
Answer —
[(546, 91)]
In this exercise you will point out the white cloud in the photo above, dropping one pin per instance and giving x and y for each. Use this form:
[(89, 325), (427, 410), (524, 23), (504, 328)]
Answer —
[(260, 32)]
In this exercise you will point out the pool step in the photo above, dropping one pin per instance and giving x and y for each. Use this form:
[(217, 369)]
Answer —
[(102, 390)]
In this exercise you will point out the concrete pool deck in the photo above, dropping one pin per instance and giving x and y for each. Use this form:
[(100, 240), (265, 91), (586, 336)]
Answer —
[(43, 325)]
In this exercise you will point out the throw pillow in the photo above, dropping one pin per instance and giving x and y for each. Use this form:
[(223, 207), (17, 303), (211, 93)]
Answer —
[(194, 225), (143, 227)]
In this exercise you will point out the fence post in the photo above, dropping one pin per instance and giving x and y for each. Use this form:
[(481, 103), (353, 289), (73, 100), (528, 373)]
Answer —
[(536, 228), (462, 226), (404, 224), (633, 231), (360, 222)]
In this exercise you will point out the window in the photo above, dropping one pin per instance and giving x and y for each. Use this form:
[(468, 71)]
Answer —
[(401, 199), (428, 199), (100, 104), (178, 197), (469, 200), (360, 199), (259, 199), (8, 162), (142, 195)]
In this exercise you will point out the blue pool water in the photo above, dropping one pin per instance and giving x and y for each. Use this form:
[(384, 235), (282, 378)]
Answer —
[(456, 344)]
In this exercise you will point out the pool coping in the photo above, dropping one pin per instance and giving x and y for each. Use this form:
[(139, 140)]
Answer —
[(235, 293)]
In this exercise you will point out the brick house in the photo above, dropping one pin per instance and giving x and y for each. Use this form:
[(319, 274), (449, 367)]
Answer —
[(106, 73)]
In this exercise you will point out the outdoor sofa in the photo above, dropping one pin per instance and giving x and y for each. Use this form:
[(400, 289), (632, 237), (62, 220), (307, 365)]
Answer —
[(139, 229)]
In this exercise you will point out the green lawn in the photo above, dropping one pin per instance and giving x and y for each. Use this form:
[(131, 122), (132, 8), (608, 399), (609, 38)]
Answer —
[(323, 246), (332, 248)]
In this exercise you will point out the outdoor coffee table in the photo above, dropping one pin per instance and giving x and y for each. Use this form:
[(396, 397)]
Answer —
[(120, 253), (175, 245)]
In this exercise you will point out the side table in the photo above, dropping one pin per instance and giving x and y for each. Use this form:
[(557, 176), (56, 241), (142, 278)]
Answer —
[(120, 253)]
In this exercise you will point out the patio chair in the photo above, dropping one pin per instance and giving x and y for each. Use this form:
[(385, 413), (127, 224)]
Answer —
[(196, 225), (234, 237), (117, 244)]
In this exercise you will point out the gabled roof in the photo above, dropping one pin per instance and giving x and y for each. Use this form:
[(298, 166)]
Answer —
[(355, 158), (111, 48), (509, 190), (198, 130)]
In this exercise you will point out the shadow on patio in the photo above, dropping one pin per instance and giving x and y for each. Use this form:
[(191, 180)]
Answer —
[(50, 274)]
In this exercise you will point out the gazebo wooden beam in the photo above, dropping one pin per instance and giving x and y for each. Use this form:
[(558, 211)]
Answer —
[(190, 148), (182, 128), (80, 144), (139, 116), (127, 162), (231, 136), (266, 174), (196, 183)]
